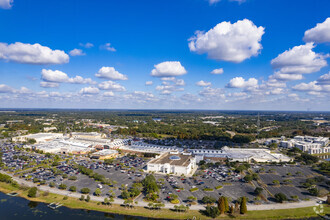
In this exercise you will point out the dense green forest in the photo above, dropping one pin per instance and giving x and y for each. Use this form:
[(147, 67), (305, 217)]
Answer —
[(230, 126)]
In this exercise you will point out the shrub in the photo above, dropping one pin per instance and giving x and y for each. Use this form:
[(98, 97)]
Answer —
[(73, 188), (65, 197), (52, 184), (175, 201), (62, 186), (72, 178), (208, 200), (212, 211), (218, 187), (208, 190), (258, 190), (85, 190), (314, 191), (280, 197), (194, 189), (88, 198), (97, 192), (32, 192)]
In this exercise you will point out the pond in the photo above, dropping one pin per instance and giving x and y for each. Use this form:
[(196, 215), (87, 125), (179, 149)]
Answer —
[(17, 208)]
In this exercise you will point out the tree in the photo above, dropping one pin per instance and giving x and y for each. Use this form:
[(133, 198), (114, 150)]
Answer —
[(82, 198), (111, 200), (85, 190), (208, 200), (237, 207), (258, 191), (231, 210), (97, 192), (125, 194), (221, 205), (248, 178), (52, 184), (62, 186), (88, 198), (212, 211), (226, 204), (280, 197), (150, 205), (134, 192), (243, 207), (32, 192), (32, 141), (149, 183), (314, 191), (106, 201), (73, 188)]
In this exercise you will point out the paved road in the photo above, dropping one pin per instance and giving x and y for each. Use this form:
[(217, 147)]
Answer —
[(141, 203)]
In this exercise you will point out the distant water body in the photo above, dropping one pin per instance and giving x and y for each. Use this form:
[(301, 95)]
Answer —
[(17, 208)]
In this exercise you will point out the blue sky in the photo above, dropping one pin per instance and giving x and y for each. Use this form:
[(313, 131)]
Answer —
[(272, 54)]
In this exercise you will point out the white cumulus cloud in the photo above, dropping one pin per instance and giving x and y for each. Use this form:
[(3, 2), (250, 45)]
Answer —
[(110, 73), (109, 94), (299, 60), (240, 82), (324, 79), (57, 76), (229, 42), (110, 85), (203, 83), (76, 52), (148, 83), (54, 76), (168, 69), (319, 34), (286, 77), (89, 90), (108, 47), (49, 84), (6, 4), (312, 86), (81, 80), (32, 54), (217, 71), (6, 89), (86, 45)]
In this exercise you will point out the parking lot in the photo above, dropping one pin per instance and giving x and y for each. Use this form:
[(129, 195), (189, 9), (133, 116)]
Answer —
[(217, 180), (290, 178)]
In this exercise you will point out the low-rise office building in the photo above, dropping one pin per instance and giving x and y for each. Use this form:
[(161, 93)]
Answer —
[(311, 145)]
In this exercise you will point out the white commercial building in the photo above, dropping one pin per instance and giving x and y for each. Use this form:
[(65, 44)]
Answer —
[(140, 146), (39, 137), (241, 154), (311, 145), (173, 163)]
